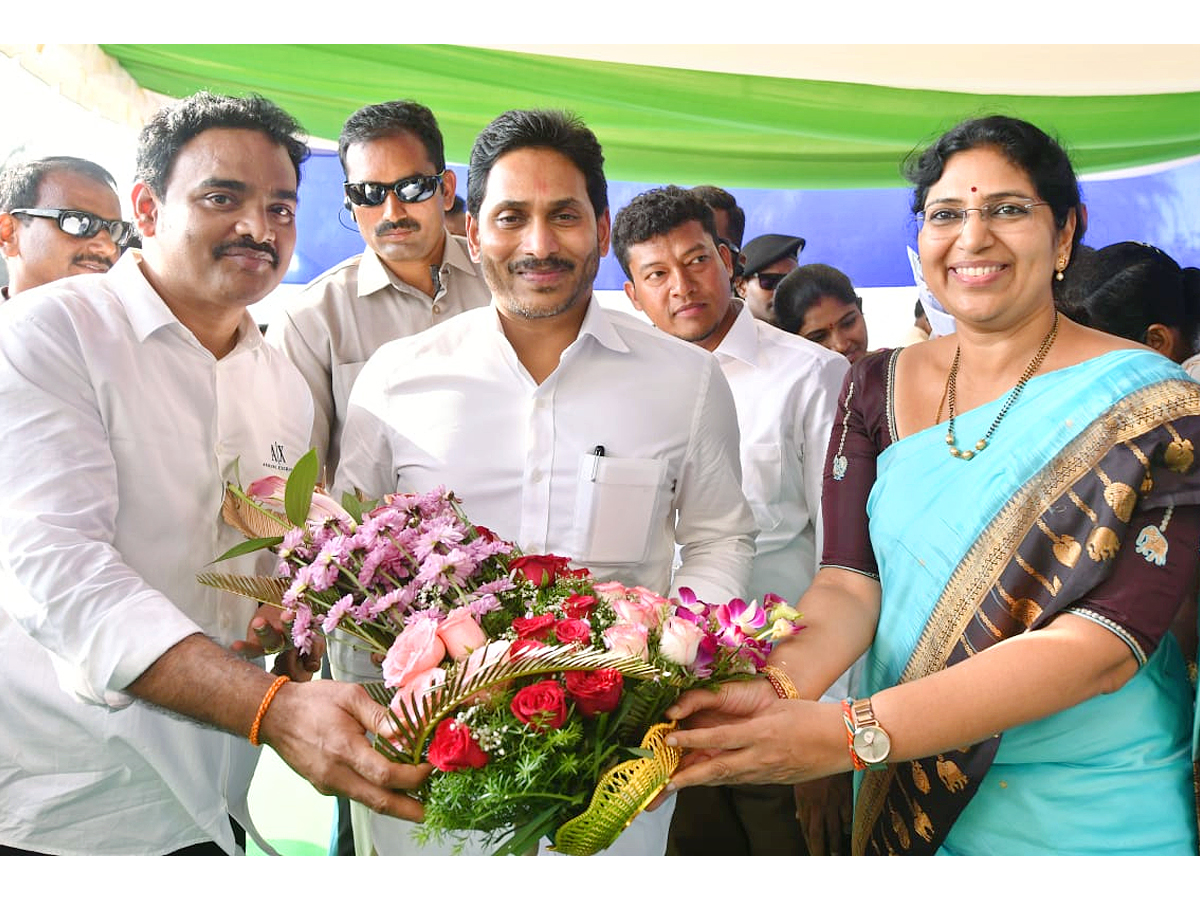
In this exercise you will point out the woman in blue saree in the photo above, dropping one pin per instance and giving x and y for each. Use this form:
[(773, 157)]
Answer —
[(1012, 516)]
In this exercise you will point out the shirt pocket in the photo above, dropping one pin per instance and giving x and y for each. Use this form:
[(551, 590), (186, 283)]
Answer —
[(762, 483), (618, 503)]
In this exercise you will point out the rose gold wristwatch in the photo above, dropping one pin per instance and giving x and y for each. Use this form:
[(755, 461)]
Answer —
[(868, 741)]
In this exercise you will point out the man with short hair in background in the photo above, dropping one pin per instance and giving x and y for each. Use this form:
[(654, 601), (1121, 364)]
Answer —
[(412, 274), (728, 218), (567, 428), (138, 394), (59, 216), (785, 389)]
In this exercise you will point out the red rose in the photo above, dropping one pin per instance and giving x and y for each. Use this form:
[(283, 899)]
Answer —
[(595, 692), (573, 631), (541, 706), (578, 606), (453, 748), (541, 570), (535, 627), (486, 533)]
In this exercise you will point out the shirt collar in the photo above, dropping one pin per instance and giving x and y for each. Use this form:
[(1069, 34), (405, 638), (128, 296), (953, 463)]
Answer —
[(741, 341), (148, 312), (374, 276), (597, 325)]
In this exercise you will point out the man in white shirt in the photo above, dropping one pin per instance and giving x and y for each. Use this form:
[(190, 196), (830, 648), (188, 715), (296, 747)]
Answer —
[(515, 406), (786, 391), (59, 216), (412, 274), (131, 398)]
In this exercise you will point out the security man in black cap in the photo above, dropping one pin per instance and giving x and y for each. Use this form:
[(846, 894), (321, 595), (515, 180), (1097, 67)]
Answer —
[(765, 260)]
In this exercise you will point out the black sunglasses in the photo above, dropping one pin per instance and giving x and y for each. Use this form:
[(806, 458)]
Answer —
[(80, 224), (768, 281), (414, 189)]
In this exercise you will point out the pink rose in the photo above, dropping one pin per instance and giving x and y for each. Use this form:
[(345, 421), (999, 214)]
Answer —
[(627, 640), (523, 645), (680, 640), (573, 631), (460, 632), (411, 695), (636, 611), (609, 591), (541, 706), (416, 649)]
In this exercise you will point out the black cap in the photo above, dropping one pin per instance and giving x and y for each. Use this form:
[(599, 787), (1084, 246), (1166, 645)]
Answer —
[(766, 249)]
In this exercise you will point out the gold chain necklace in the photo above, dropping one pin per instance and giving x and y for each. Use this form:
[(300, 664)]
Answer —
[(1034, 365)]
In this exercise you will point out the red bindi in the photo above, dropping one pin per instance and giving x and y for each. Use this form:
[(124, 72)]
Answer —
[(974, 189)]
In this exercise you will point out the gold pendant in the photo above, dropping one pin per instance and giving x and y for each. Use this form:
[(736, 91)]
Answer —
[(1179, 455), (1152, 544), (1121, 498), (1067, 550), (1102, 543)]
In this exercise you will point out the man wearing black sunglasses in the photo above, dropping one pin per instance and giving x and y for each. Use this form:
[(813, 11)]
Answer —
[(765, 260), (412, 274), (59, 216)]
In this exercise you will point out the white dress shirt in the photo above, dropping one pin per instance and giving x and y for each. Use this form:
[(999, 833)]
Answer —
[(786, 390), (122, 432), (454, 407), (347, 313)]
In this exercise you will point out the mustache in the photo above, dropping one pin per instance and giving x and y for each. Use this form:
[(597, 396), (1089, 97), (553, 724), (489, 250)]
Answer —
[(247, 243), (549, 264), (81, 258), (384, 227)]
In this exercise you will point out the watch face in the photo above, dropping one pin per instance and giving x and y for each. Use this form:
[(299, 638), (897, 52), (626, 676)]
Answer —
[(872, 744)]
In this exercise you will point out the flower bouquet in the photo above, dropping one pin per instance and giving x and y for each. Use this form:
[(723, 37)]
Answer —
[(536, 693)]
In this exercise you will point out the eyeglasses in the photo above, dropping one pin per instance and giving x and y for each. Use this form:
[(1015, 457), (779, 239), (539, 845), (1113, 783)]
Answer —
[(414, 189), (943, 222), (768, 281), (80, 224)]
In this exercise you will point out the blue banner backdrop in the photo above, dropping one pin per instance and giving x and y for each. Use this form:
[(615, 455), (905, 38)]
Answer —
[(862, 232)]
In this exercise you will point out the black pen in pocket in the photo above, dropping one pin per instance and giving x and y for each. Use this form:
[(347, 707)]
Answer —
[(597, 452)]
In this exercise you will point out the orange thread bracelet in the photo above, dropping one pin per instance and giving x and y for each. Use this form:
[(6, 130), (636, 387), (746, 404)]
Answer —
[(847, 717), (262, 707)]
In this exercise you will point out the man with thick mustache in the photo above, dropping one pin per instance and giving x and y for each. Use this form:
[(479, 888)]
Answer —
[(412, 274), (565, 427), (132, 398), (59, 216)]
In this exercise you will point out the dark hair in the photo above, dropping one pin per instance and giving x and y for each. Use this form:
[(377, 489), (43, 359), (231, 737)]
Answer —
[(459, 205), (719, 198), (21, 182), (918, 309), (801, 288), (383, 120), (171, 127), (556, 130), (1024, 145), (1125, 288), (654, 213)]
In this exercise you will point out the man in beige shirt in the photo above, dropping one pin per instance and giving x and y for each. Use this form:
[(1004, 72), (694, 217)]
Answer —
[(413, 273)]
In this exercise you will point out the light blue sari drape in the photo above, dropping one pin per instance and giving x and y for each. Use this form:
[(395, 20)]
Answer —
[(1112, 774)]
